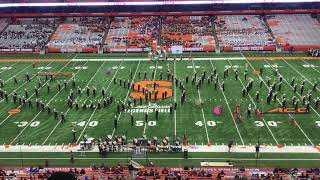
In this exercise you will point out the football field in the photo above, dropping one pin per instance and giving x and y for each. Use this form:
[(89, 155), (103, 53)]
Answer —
[(21, 124)]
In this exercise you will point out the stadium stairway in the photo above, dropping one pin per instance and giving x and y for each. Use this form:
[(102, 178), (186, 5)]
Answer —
[(318, 17), (278, 47), (49, 39), (214, 33), (107, 21), (5, 27), (160, 30)]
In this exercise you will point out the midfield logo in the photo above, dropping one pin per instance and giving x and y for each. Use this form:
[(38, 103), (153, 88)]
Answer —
[(156, 90)]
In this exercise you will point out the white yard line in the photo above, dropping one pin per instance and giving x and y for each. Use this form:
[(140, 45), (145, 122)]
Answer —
[(26, 82), (113, 131), (256, 107), (46, 103), (92, 114), (175, 100), (5, 119), (235, 124), (75, 100), (296, 121), (153, 78), (299, 73), (204, 119)]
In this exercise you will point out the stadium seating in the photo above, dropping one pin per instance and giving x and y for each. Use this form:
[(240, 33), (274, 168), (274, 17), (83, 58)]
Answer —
[(242, 32), (78, 35), (132, 33), (295, 30), (27, 34), (194, 33)]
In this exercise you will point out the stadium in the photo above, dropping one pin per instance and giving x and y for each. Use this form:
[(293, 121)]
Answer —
[(163, 89)]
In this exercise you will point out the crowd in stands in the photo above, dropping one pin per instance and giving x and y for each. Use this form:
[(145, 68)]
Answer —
[(187, 31), (27, 33), (242, 30), (295, 29), (125, 172), (78, 33), (193, 32), (133, 32)]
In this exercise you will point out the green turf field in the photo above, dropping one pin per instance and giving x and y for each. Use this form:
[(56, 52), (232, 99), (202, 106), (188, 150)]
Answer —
[(32, 126)]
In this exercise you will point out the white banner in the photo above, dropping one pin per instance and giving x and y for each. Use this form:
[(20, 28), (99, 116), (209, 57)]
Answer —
[(257, 48), (176, 49)]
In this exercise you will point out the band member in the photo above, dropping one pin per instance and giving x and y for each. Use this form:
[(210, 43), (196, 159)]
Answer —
[(73, 83), (131, 119), (15, 81)]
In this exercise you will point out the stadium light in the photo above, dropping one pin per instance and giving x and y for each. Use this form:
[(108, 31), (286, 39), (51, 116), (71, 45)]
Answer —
[(139, 3)]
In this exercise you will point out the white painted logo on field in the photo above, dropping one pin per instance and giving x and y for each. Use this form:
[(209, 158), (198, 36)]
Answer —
[(153, 67), (6, 68), (150, 108), (234, 66), (309, 66), (191, 67), (42, 67), (80, 67), (273, 66), (116, 67)]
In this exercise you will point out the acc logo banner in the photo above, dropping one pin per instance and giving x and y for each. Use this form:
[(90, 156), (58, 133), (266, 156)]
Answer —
[(161, 87), (287, 110), (14, 111)]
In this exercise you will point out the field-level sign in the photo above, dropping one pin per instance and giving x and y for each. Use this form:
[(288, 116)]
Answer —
[(25, 123), (270, 123), (91, 123), (149, 123), (153, 67), (209, 123), (318, 123)]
